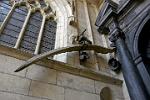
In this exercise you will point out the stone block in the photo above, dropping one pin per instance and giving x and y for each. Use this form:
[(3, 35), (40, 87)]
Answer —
[(78, 95), (75, 82), (10, 64), (10, 96), (39, 73), (14, 84), (42, 90)]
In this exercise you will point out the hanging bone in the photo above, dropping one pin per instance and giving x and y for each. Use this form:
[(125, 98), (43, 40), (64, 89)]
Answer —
[(83, 40), (84, 56), (114, 64)]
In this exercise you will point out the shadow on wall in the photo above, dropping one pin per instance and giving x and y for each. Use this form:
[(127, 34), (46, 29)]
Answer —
[(106, 94)]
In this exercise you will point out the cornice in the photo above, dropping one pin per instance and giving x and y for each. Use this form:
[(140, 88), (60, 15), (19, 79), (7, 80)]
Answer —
[(110, 8)]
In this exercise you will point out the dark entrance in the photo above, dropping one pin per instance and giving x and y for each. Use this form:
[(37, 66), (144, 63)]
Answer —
[(144, 45)]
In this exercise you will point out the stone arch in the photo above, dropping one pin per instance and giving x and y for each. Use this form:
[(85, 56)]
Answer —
[(136, 38), (106, 94), (137, 53), (63, 12), (144, 45), (137, 34)]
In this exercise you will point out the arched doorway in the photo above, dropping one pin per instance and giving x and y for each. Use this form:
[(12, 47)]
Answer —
[(105, 94), (144, 45)]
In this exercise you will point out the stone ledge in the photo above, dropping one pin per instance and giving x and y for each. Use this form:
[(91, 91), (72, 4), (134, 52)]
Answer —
[(60, 66)]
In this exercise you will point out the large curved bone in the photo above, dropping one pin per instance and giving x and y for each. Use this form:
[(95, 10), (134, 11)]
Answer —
[(36, 58)]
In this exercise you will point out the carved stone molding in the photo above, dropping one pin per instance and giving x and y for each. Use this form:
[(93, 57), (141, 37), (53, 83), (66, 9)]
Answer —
[(104, 15), (110, 9), (117, 33)]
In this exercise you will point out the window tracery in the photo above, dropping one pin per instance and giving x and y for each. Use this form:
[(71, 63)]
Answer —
[(28, 25)]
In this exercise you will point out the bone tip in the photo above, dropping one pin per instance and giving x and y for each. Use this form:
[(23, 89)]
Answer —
[(17, 70)]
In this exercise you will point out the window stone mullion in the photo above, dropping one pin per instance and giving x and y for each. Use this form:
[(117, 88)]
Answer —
[(23, 29)]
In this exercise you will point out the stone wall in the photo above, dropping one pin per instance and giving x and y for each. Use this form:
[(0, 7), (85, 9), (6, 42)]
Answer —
[(40, 83)]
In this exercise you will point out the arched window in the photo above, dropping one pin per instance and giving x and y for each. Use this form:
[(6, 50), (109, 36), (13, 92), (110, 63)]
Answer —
[(13, 26), (105, 94), (28, 26)]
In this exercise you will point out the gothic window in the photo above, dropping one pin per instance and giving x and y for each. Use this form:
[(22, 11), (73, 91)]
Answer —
[(31, 33), (48, 39), (13, 27), (28, 26), (4, 9)]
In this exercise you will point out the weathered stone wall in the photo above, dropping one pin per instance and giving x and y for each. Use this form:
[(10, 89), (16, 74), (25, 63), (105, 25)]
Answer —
[(40, 83)]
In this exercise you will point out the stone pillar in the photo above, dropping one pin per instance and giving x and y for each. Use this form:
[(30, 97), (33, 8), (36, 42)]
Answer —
[(131, 75)]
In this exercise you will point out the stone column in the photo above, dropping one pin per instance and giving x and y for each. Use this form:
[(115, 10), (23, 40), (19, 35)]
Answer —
[(131, 75)]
